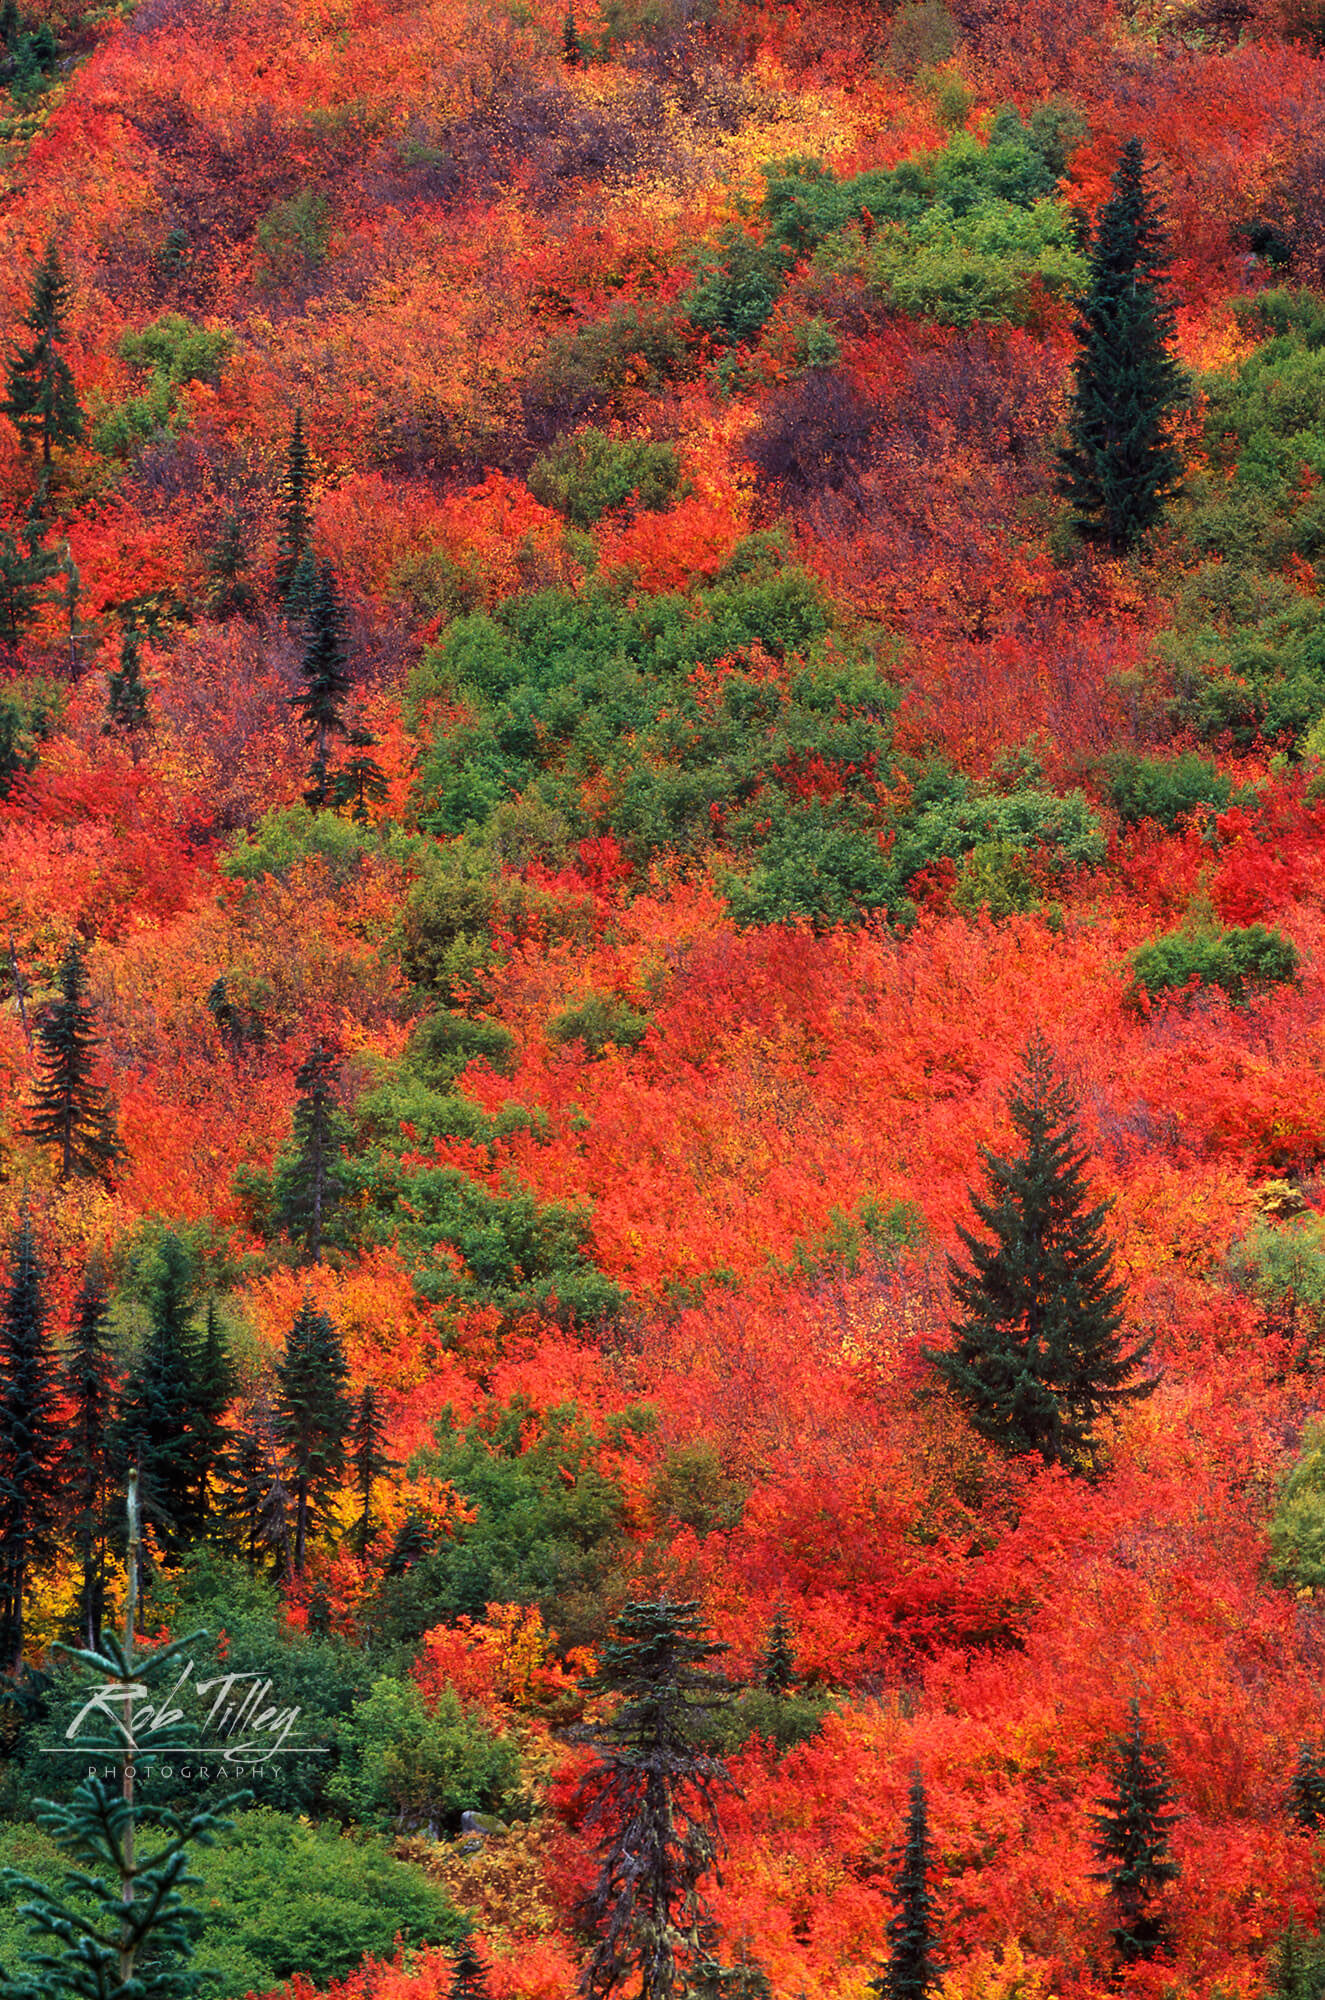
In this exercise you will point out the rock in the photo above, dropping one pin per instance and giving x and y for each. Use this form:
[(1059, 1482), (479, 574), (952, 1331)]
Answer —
[(483, 1823)]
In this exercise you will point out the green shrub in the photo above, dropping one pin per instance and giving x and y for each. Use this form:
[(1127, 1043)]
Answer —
[(287, 837), (407, 1769), (736, 289), (691, 1488), (293, 237), (815, 863), (177, 350), (1060, 830), (1297, 1526), (784, 1720), (443, 1044), (631, 347), (587, 475), (1240, 962), (1164, 789), (923, 35), (599, 1021), (987, 265)]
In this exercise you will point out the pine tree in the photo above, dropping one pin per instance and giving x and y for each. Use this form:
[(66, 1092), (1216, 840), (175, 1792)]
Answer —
[(320, 701), (309, 1186), (313, 1416), (913, 1969), (90, 1382), (777, 1662), (469, 1981), (368, 1458), (1307, 1791), (359, 782), (296, 522), (1131, 1837), (653, 1799), (71, 1110), (155, 1427), (1120, 465), (1038, 1356), (126, 691), (42, 403), (31, 1439)]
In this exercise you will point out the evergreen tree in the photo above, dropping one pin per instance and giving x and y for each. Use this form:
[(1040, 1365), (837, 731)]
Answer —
[(31, 1439), (653, 1799), (313, 1416), (412, 1541), (368, 1458), (90, 1380), (71, 1110), (309, 1186), (1131, 1838), (296, 520), (572, 49), (42, 403), (913, 1968), (320, 701), (359, 781), (1038, 1355), (24, 574), (777, 1662), (227, 565), (213, 1390), (156, 1424), (126, 691), (469, 1981), (1307, 1792), (1120, 464), (256, 1499)]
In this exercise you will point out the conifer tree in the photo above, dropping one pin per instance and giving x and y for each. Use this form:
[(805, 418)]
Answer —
[(296, 520), (777, 1662), (31, 1439), (126, 691), (24, 574), (654, 1802), (155, 1428), (213, 1389), (469, 1981), (913, 1968), (90, 1381), (368, 1457), (313, 1416), (70, 1109), (256, 1498), (1120, 464), (227, 565), (1131, 1838), (41, 401), (1307, 1791), (359, 782), (325, 684), (572, 49), (1039, 1355), (309, 1185), (412, 1541)]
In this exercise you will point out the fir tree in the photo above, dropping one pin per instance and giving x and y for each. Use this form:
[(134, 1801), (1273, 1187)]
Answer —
[(71, 1110), (213, 1389), (653, 1800), (412, 1541), (313, 1416), (469, 1981), (1038, 1356), (42, 403), (1131, 1838), (1120, 465), (572, 49), (777, 1662), (24, 574), (320, 701), (359, 782), (31, 1439), (308, 1185), (1307, 1791), (256, 1499), (126, 691), (155, 1428), (90, 1380), (296, 522), (368, 1458), (913, 1969)]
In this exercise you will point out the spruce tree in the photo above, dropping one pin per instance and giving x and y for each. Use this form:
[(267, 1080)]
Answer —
[(308, 1185), (25, 572), (1307, 1791), (31, 1439), (213, 1390), (70, 1109), (126, 691), (359, 782), (1038, 1355), (653, 1801), (256, 1499), (777, 1662), (325, 684), (1120, 465), (296, 520), (572, 49), (469, 1981), (157, 1418), (41, 401), (368, 1458), (1131, 1838), (913, 1968), (90, 1383), (313, 1416)]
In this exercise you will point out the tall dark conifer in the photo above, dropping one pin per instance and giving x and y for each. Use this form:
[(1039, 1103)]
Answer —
[(1307, 1790), (31, 1439), (126, 690), (469, 1980), (296, 517), (41, 401), (1132, 1840), (1120, 464), (313, 1417), (310, 1183), (368, 1457), (156, 1423), (653, 1803), (777, 1662), (90, 1381), (324, 684), (71, 1110), (213, 1390), (1039, 1355), (914, 1968)]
